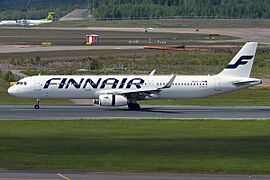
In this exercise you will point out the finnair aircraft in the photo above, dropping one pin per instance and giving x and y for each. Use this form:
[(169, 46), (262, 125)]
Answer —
[(25, 22), (116, 90)]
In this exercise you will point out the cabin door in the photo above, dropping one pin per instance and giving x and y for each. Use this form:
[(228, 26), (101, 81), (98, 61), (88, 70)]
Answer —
[(217, 84), (37, 84)]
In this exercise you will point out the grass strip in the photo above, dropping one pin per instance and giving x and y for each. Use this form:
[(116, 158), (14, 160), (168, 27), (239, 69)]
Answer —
[(137, 146)]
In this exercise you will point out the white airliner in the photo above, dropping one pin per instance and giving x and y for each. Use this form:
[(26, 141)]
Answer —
[(116, 90), (25, 22)]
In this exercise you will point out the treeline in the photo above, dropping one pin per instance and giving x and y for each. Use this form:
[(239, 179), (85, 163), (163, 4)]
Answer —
[(122, 9), (37, 9), (185, 8), (6, 78)]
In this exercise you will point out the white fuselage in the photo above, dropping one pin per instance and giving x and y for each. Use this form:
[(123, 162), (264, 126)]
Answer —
[(90, 87), (24, 22), (8, 23), (32, 22)]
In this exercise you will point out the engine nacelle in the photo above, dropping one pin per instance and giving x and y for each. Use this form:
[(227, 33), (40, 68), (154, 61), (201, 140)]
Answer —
[(112, 100)]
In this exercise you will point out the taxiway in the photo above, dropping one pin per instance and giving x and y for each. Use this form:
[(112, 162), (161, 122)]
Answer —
[(27, 112), (42, 175)]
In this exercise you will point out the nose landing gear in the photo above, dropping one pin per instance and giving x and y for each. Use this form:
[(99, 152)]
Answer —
[(37, 105)]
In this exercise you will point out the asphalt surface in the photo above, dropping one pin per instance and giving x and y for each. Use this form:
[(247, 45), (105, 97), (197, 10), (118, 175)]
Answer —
[(147, 112), (36, 48), (32, 175), (246, 34)]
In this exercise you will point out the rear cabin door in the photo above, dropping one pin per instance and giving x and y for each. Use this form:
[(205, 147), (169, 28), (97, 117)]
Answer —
[(217, 84), (37, 84)]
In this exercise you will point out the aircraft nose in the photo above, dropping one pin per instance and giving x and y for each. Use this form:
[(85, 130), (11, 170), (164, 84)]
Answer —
[(12, 90)]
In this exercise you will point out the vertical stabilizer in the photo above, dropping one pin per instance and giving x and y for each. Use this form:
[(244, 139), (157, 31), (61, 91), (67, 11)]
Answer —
[(51, 16), (241, 64)]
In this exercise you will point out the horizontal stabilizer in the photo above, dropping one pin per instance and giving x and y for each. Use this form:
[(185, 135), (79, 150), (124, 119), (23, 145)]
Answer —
[(249, 82)]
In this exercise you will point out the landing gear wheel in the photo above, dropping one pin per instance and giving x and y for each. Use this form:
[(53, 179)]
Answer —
[(37, 105), (134, 107)]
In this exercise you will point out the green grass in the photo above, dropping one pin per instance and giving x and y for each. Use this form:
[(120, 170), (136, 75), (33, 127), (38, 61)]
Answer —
[(173, 23), (6, 99), (245, 97), (179, 62), (137, 146)]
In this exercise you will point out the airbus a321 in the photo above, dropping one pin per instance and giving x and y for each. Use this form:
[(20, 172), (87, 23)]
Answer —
[(122, 90)]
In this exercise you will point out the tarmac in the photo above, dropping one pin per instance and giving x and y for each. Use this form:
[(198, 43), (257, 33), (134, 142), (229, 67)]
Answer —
[(246, 34), (54, 175), (71, 112), (37, 48)]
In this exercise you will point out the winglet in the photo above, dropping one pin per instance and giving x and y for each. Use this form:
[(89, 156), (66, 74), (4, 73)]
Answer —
[(170, 83), (152, 73)]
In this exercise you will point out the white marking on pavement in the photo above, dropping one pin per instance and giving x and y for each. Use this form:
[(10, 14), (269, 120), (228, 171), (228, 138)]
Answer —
[(62, 176)]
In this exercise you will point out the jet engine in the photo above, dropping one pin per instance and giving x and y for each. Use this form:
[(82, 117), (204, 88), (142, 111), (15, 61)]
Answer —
[(112, 100)]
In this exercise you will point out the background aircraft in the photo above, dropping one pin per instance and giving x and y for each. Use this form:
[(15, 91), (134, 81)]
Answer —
[(121, 90), (24, 22)]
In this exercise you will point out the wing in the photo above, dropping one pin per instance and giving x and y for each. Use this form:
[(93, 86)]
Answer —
[(142, 94)]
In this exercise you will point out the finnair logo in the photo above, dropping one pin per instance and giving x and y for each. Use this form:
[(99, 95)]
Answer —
[(241, 61), (113, 83)]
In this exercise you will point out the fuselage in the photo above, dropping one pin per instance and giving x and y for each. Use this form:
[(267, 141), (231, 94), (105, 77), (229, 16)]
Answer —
[(33, 22), (8, 23), (90, 87), (24, 22)]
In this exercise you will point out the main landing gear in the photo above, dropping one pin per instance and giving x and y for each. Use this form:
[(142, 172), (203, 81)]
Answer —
[(37, 105), (134, 107)]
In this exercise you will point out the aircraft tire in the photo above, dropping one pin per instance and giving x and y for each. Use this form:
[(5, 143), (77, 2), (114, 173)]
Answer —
[(134, 107)]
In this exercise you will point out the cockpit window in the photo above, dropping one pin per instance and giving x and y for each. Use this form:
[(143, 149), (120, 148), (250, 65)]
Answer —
[(21, 83)]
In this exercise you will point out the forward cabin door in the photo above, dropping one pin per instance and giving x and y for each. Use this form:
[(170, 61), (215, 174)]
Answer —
[(37, 84)]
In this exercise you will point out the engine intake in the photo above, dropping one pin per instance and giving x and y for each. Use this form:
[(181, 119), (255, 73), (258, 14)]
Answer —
[(112, 100)]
